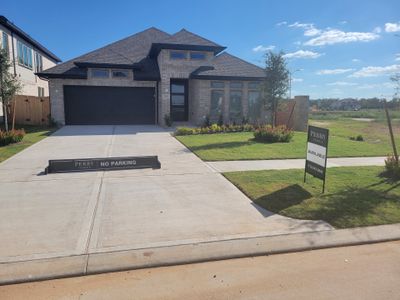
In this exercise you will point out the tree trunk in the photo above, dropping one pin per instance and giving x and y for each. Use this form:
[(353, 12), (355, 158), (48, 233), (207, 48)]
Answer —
[(5, 117)]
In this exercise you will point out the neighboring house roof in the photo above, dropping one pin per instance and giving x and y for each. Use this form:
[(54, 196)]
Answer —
[(227, 66), (18, 31), (138, 52)]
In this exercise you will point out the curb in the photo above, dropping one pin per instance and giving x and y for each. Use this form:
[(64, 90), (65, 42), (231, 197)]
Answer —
[(102, 262)]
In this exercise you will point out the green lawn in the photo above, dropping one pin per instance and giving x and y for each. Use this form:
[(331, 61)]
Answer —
[(33, 134), (241, 146), (355, 196)]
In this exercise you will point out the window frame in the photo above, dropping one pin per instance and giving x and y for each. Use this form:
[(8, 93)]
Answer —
[(238, 87), (24, 55), (217, 84), (123, 71), (240, 116), (93, 70), (183, 53), (204, 55), (4, 41), (214, 117), (254, 85), (38, 60)]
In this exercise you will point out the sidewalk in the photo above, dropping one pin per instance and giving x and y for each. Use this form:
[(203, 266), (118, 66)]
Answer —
[(283, 164)]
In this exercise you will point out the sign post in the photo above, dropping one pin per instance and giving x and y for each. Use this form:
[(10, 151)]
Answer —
[(317, 153)]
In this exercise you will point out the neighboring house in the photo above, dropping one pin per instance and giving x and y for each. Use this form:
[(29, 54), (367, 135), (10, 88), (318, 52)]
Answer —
[(153, 74), (28, 57)]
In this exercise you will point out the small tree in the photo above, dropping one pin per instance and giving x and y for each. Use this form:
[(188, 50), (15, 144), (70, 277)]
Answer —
[(9, 83), (276, 82)]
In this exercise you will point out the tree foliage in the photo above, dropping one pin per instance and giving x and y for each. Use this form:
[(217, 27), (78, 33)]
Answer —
[(276, 82), (10, 84)]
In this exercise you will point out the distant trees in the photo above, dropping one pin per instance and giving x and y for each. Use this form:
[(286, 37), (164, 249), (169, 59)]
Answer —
[(276, 82)]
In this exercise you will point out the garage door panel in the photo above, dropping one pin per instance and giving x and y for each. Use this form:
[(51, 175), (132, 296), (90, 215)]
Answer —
[(101, 105)]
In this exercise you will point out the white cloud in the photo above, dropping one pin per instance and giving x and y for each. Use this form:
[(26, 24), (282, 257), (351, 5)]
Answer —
[(356, 60), (333, 71), (309, 28), (392, 27), (261, 48), (397, 57), (341, 83), (376, 71), (297, 79), (334, 36), (342, 22), (281, 23), (303, 54)]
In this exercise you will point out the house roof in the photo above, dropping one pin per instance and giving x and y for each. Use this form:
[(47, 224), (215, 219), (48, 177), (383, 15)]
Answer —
[(139, 51), (18, 31), (228, 66)]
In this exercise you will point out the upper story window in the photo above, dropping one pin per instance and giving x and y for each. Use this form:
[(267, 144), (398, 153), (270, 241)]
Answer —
[(177, 55), (236, 85), (120, 73), (100, 73), (217, 84), (24, 54), (4, 44), (38, 62), (197, 55), (254, 85)]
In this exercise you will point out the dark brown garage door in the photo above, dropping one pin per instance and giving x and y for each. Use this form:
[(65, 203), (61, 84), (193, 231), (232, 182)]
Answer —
[(103, 105)]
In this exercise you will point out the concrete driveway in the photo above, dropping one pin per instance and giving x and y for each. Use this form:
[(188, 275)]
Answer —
[(68, 216)]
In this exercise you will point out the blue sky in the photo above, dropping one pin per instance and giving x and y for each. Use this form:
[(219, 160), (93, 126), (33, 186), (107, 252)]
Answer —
[(340, 48)]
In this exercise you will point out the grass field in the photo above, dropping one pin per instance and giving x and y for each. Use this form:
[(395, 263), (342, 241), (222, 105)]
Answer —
[(241, 146), (355, 196), (33, 135)]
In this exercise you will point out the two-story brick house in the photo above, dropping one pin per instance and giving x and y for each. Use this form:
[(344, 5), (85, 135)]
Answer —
[(27, 56), (151, 74)]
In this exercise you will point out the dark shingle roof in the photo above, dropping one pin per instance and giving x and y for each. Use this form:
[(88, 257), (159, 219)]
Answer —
[(135, 52), (226, 66), (127, 51), (185, 37)]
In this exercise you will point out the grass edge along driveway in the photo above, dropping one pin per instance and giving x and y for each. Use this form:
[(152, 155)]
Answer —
[(33, 135), (355, 196)]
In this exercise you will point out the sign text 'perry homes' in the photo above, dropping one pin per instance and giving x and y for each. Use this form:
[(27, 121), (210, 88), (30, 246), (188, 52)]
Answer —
[(102, 164), (317, 147)]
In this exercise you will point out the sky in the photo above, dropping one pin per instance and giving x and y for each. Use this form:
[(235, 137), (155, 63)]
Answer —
[(333, 48)]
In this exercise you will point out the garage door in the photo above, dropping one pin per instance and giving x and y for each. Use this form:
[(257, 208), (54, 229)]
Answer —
[(103, 105)]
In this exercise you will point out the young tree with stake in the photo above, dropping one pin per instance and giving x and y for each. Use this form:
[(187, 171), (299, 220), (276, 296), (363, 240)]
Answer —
[(9, 84), (276, 82)]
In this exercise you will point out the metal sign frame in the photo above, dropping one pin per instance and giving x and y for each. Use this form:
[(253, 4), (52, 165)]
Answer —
[(318, 137)]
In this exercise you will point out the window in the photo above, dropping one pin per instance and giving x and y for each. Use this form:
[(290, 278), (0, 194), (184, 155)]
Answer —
[(177, 55), (197, 55), (38, 62), (236, 85), (254, 106), (235, 106), (217, 98), (5, 41), (40, 91), (254, 85), (24, 54), (100, 73), (120, 73), (217, 84)]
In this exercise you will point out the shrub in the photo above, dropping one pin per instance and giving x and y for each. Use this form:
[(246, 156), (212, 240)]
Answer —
[(12, 136), (168, 120), (184, 131), (392, 167), (268, 134), (358, 138)]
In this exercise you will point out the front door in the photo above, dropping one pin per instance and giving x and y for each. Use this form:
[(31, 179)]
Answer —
[(179, 100)]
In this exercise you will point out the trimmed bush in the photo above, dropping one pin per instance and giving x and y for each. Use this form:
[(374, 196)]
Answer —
[(214, 128), (269, 134), (358, 138), (392, 167), (11, 137)]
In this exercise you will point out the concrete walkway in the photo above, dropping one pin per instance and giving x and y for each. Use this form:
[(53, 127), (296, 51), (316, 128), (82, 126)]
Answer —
[(283, 164), (79, 223)]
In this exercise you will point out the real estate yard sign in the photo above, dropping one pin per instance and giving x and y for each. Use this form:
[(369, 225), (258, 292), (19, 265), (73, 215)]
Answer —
[(317, 153)]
